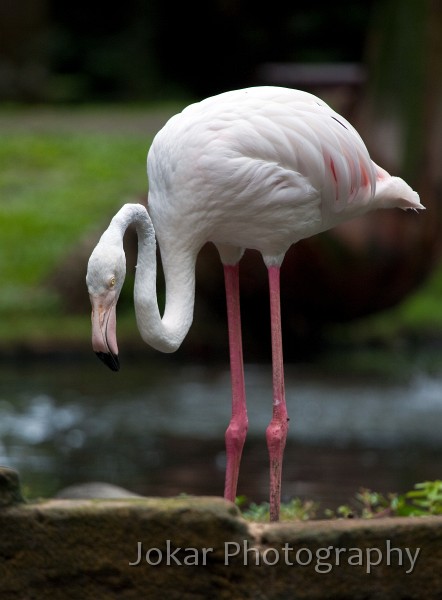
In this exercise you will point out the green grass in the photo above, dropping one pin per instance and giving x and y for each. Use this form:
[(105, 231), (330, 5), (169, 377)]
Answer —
[(56, 188)]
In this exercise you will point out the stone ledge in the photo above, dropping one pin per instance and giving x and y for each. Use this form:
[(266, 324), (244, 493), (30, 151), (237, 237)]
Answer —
[(62, 549)]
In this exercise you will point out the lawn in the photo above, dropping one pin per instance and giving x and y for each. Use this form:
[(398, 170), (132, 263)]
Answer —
[(63, 174)]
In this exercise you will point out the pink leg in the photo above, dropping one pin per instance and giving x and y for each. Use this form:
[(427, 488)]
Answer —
[(277, 430), (237, 429)]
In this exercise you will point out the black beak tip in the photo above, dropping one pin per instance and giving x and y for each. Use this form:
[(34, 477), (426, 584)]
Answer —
[(109, 359)]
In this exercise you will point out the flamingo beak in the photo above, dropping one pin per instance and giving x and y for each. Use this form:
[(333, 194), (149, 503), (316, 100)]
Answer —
[(104, 330)]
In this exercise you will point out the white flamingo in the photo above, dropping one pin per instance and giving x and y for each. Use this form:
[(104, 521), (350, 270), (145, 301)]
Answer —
[(254, 168)]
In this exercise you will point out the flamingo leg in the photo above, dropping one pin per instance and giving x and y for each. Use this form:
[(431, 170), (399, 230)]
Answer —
[(276, 433), (237, 429)]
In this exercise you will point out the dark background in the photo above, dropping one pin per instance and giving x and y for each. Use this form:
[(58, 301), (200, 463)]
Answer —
[(153, 50)]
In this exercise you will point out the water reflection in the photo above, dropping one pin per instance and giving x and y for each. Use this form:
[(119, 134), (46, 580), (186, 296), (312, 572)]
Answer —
[(159, 431)]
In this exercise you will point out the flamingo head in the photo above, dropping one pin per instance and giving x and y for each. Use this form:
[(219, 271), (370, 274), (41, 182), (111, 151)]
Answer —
[(105, 277)]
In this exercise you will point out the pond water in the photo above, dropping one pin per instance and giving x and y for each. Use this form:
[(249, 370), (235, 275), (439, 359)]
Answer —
[(157, 428)]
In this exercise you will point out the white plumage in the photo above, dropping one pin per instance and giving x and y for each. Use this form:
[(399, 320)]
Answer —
[(259, 168), (254, 168)]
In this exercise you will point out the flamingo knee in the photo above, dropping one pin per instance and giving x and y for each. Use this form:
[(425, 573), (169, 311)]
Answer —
[(276, 435), (235, 437)]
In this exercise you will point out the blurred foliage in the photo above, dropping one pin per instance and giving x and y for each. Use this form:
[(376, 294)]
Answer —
[(405, 76), (151, 49), (417, 318), (424, 500), (221, 43)]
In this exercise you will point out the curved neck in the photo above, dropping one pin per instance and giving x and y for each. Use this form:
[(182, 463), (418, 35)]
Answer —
[(163, 333)]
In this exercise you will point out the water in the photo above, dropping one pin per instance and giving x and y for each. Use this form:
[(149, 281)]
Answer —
[(157, 428)]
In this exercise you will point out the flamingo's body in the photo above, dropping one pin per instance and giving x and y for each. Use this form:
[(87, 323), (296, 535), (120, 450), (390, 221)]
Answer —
[(255, 168)]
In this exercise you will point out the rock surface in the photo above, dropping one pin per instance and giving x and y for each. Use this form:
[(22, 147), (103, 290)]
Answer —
[(10, 492), (95, 489), (194, 548)]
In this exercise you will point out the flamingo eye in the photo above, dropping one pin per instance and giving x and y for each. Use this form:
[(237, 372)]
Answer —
[(112, 282)]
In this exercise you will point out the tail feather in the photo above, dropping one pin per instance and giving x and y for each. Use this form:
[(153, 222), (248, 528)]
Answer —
[(392, 192)]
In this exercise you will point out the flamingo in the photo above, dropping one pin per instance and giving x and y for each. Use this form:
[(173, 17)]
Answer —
[(260, 168)]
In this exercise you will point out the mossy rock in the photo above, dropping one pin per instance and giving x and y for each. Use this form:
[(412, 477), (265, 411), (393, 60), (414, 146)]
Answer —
[(194, 548)]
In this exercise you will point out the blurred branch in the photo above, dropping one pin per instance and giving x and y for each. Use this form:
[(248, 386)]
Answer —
[(401, 110), (402, 103)]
